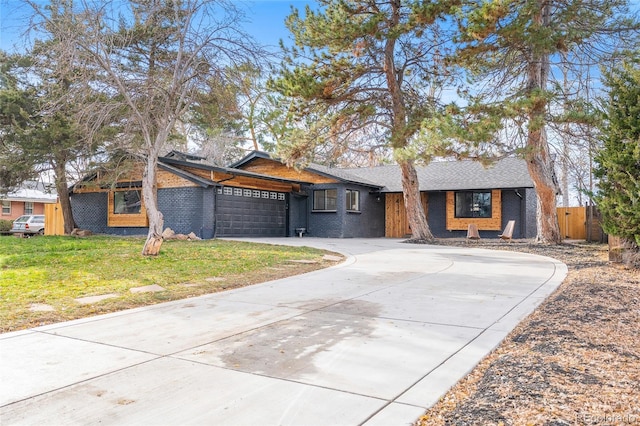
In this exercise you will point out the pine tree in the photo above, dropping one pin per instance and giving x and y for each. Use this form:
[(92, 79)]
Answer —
[(514, 51), (618, 170), (365, 69)]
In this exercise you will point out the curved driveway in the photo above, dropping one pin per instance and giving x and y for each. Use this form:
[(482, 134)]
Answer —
[(375, 340)]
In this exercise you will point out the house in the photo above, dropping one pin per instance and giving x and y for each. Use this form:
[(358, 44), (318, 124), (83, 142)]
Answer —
[(30, 198), (260, 196)]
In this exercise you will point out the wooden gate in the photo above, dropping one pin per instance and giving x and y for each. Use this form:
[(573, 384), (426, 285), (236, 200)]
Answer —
[(573, 222), (396, 223), (53, 221)]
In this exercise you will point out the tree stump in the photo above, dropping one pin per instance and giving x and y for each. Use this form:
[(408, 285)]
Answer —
[(615, 249), (152, 245)]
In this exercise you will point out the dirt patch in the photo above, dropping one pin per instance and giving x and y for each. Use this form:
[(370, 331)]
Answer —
[(575, 360)]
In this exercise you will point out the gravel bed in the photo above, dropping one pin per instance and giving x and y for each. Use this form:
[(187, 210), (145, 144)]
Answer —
[(574, 361)]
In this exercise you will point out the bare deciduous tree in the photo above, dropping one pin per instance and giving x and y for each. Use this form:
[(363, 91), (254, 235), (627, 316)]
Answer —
[(149, 60)]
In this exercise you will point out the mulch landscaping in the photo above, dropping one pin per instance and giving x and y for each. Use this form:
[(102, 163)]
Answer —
[(574, 361)]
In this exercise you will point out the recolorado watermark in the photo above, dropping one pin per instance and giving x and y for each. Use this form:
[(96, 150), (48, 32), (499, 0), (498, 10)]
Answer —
[(608, 419)]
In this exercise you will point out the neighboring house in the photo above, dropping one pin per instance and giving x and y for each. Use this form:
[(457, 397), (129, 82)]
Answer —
[(30, 198), (261, 196)]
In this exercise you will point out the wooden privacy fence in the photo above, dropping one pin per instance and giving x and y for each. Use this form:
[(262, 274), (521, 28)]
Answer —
[(573, 222), (53, 221), (580, 223)]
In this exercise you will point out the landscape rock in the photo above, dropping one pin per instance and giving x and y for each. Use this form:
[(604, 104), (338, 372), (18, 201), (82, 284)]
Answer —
[(168, 233), (81, 232)]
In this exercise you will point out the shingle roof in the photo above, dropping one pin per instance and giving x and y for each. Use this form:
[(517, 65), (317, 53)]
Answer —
[(344, 175), (453, 175)]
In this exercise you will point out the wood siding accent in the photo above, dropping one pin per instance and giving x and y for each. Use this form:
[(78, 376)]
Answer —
[(248, 182), (573, 222), (395, 215), (53, 220), (275, 168), (493, 223), (125, 220), (169, 180), (165, 180)]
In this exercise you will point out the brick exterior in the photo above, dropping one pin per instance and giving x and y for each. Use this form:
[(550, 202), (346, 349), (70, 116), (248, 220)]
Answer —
[(513, 208), (368, 223)]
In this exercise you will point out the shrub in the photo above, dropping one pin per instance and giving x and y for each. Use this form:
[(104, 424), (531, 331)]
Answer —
[(5, 226)]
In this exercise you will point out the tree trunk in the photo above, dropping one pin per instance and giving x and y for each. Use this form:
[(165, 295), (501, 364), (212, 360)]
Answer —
[(149, 195), (399, 137), (537, 153), (541, 171), (413, 202), (63, 196)]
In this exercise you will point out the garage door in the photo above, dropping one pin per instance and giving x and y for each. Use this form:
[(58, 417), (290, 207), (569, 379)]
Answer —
[(250, 213)]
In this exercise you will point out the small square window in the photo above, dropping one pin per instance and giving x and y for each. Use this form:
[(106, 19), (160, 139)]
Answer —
[(246, 193), (256, 194), (273, 195), (237, 192), (228, 191), (265, 194), (219, 190), (281, 196)]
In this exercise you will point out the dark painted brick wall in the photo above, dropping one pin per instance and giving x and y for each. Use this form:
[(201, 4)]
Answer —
[(513, 205), (531, 202), (437, 215), (90, 212), (513, 208), (298, 211), (368, 223), (182, 209)]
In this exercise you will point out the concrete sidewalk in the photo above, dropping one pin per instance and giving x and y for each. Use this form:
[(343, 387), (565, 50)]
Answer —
[(375, 340)]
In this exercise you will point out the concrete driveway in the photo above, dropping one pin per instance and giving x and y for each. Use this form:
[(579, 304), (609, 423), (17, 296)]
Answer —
[(375, 341)]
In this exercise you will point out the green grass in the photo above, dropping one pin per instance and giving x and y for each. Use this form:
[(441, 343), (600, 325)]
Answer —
[(57, 270)]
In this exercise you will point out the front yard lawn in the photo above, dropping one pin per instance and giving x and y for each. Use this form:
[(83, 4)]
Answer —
[(41, 277)]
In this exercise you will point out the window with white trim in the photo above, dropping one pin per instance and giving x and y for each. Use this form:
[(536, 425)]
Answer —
[(28, 207), (325, 200), (352, 200), (6, 207)]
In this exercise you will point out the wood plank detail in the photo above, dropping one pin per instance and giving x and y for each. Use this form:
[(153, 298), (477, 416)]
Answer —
[(53, 220), (275, 168), (396, 222), (573, 222), (493, 223), (124, 220)]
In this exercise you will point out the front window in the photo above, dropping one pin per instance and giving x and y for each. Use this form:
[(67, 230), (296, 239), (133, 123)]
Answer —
[(353, 200), (473, 204), (325, 199), (6, 207), (28, 207), (126, 202)]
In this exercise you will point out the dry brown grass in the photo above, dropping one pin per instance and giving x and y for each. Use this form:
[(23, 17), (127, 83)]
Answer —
[(574, 361)]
